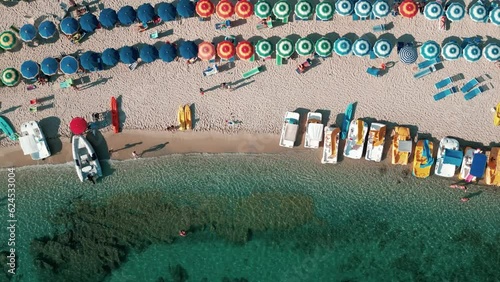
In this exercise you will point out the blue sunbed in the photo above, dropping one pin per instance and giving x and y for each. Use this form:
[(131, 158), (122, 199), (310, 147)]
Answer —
[(474, 92), (373, 71), (478, 165), (429, 63), (379, 28), (445, 93), (453, 157), (424, 72), (469, 85), (444, 82)]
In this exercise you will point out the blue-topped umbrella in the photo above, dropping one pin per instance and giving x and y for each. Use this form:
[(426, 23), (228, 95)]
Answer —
[(168, 52), (88, 22), (49, 66), (492, 52), (69, 65), (108, 18), (363, 8), (433, 11), (166, 11), (47, 29), (455, 12), (128, 54), (69, 26), (381, 9), (408, 55), (145, 13), (148, 53), (495, 16), (342, 46), (27, 32), (472, 53), (90, 61), (478, 12), (185, 8), (344, 7), (127, 15), (430, 50), (361, 47), (188, 50), (110, 57), (451, 51), (382, 48), (29, 69)]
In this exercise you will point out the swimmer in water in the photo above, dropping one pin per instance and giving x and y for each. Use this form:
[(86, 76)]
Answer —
[(182, 233), (464, 199)]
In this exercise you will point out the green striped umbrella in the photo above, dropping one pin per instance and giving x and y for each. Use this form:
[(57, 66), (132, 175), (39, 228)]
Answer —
[(284, 48), (10, 77), (262, 9), (7, 40), (281, 9), (304, 47), (323, 47), (324, 10), (264, 48), (303, 9)]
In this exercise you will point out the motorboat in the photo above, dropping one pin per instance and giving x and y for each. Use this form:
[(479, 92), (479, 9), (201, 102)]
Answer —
[(401, 145), (86, 163), (289, 130), (33, 141), (492, 174), (330, 145), (449, 157), (314, 130), (375, 142), (422, 159), (355, 142)]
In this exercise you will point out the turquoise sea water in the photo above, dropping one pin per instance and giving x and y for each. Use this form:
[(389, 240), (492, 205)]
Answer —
[(251, 218)]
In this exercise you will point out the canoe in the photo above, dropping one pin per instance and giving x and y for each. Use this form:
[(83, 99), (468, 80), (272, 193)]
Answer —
[(7, 129), (181, 118), (422, 161), (492, 175), (115, 119), (187, 115), (496, 118), (346, 122)]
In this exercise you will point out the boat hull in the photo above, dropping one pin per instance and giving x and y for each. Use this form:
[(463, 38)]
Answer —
[(31, 130), (188, 117), (85, 159), (442, 169), (496, 118), (181, 118), (466, 163), (314, 130), (115, 119), (289, 130), (330, 145)]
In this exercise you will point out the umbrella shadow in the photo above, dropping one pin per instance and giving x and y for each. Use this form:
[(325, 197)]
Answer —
[(9, 110), (314, 36), (325, 115), (406, 38), (370, 37), (351, 36), (154, 148), (332, 36)]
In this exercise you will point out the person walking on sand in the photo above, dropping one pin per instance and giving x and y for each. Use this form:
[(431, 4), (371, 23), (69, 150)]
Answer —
[(202, 92), (135, 155)]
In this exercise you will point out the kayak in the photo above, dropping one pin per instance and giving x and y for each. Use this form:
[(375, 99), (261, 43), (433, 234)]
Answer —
[(7, 129), (115, 119), (187, 115), (347, 121), (181, 118), (496, 118)]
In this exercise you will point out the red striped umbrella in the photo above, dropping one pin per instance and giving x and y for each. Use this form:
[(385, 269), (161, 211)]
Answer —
[(225, 50), (205, 8), (206, 51), (78, 125), (244, 9), (408, 9), (244, 50), (224, 9)]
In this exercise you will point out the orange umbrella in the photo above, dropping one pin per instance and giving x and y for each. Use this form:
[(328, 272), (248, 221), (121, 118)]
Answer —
[(205, 8), (225, 50), (244, 50), (244, 9), (224, 9), (206, 51), (408, 9)]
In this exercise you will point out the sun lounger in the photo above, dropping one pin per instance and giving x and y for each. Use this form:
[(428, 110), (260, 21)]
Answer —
[(33, 109), (132, 66), (279, 60), (474, 92), (355, 17), (445, 93), (372, 55), (379, 28), (153, 35), (428, 63), (305, 65), (210, 71), (251, 72), (469, 85), (424, 72), (223, 25), (373, 71), (284, 20), (270, 23), (231, 39), (66, 84), (444, 82)]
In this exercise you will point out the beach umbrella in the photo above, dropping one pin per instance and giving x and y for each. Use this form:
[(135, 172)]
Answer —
[(492, 52), (382, 48), (88, 22), (363, 8), (128, 54), (110, 57), (69, 26), (433, 11), (167, 52), (262, 9), (472, 53), (166, 11), (89, 61), (145, 13), (430, 50), (8, 40), (78, 125), (342, 46), (243, 9), (324, 10), (344, 7), (478, 12), (451, 51), (108, 18), (244, 50), (204, 8), (455, 12), (206, 51), (127, 15), (264, 48), (188, 50), (281, 9), (381, 9), (148, 53), (47, 29), (27, 32), (30, 69), (10, 77), (304, 46), (495, 16), (408, 55), (226, 50), (285, 48), (69, 65), (185, 8), (323, 47), (49, 66), (408, 9), (361, 47), (224, 9), (304, 9)]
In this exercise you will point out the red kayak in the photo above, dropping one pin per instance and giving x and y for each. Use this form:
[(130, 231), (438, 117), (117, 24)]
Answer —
[(114, 115)]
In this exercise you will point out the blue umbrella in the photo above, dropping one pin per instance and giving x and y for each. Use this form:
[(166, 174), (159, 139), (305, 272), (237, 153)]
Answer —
[(148, 53), (363, 8), (472, 53), (27, 32), (408, 55), (433, 11), (167, 52), (381, 9), (90, 61), (342, 46), (430, 50), (185, 8), (108, 18), (361, 47), (69, 65), (492, 52), (478, 12), (344, 7), (89, 22), (128, 54), (145, 13), (495, 16), (127, 15), (49, 66), (110, 57), (69, 26), (382, 48), (455, 12), (188, 50), (166, 11), (451, 51), (47, 29), (30, 69)]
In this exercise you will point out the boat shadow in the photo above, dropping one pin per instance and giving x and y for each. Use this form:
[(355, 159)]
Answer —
[(302, 124), (50, 128), (121, 114), (100, 146)]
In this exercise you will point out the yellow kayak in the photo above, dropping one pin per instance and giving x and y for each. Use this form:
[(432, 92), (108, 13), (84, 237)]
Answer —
[(421, 165), (492, 175), (496, 118), (187, 115), (181, 118)]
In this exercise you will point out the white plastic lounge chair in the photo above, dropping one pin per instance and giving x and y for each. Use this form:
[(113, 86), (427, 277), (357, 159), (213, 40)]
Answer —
[(469, 85)]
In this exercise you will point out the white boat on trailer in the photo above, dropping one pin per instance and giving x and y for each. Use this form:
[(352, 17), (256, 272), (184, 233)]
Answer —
[(375, 143), (449, 157), (86, 163), (314, 130), (355, 142), (33, 141), (330, 145), (289, 130)]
